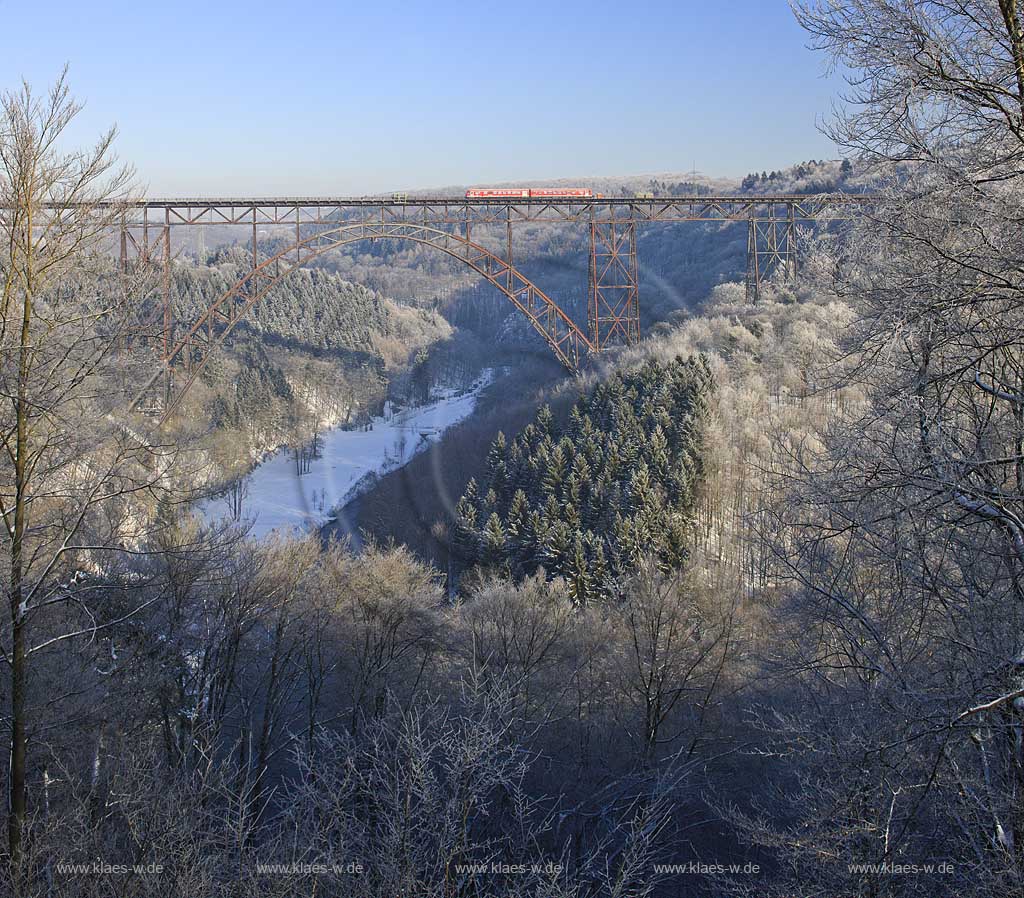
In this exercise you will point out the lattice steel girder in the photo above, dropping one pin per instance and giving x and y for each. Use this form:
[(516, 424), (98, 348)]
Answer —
[(453, 210), (771, 247), (149, 243), (614, 301)]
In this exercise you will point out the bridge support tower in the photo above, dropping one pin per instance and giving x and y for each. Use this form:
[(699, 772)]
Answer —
[(771, 247), (614, 300), (147, 244)]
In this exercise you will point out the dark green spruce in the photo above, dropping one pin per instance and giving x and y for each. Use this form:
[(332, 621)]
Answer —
[(586, 501)]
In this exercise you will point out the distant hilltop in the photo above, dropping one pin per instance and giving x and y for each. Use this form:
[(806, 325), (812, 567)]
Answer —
[(811, 176)]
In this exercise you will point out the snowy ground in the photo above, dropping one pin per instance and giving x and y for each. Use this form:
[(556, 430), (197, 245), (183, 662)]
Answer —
[(278, 499)]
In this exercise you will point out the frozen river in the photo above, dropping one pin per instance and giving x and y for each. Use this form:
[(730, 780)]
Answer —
[(278, 499)]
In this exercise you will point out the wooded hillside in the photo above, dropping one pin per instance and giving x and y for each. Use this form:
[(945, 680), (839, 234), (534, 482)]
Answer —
[(588, 501)]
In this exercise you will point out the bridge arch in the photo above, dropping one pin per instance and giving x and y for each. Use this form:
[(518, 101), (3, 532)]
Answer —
[(566, 340)]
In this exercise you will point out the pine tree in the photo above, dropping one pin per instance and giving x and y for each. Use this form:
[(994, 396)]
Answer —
[(493, 548), (576, 419), (640, 492), (633, 541), (520, 532), (489, 504), (577, 573), (553, 551), (541, 531), (599, 573), (545, 421), (497, 469), (657, 450), (465, 543), (673, 550), (554, 472), (515, 466)]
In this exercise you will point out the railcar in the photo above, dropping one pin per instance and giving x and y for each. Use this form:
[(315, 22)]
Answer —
[(545, 192), (500, 193), (505, 193)]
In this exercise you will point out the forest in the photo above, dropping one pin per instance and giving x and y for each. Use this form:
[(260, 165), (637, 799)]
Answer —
[(317, 352), (589, 502), (736, 612)]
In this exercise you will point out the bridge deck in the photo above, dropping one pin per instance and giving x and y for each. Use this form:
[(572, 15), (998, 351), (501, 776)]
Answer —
[(488, 210), (174, 202)]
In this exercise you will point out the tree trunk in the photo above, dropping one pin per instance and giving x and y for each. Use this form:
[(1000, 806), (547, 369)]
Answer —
[(19, 660)]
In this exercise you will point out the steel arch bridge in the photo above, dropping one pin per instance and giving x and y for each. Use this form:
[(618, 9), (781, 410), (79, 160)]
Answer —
[(193, 350), (447, 223)]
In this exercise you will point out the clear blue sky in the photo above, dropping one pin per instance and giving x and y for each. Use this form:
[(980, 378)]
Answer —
[(350, 97)]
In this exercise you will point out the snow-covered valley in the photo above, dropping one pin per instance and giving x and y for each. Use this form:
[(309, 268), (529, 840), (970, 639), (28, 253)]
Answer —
[(278, 499)]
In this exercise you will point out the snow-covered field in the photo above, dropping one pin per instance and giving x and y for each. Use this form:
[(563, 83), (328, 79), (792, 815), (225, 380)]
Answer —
[(278, 499)]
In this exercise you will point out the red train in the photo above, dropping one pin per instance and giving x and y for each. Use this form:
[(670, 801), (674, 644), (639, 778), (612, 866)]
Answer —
[(504, 193)]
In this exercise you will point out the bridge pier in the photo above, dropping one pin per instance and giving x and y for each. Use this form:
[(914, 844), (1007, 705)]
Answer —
[(136, 243), (771, 246), (508, 253), (168, 312), (614, 301)]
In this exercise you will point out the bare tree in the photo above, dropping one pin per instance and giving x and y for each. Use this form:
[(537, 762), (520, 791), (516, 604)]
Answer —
[(385, 610), (902, 542), (672, 649), (520, 635), (72, 477)]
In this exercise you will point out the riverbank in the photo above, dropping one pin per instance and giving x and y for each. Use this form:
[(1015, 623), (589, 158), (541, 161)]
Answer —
[(279, 500)]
